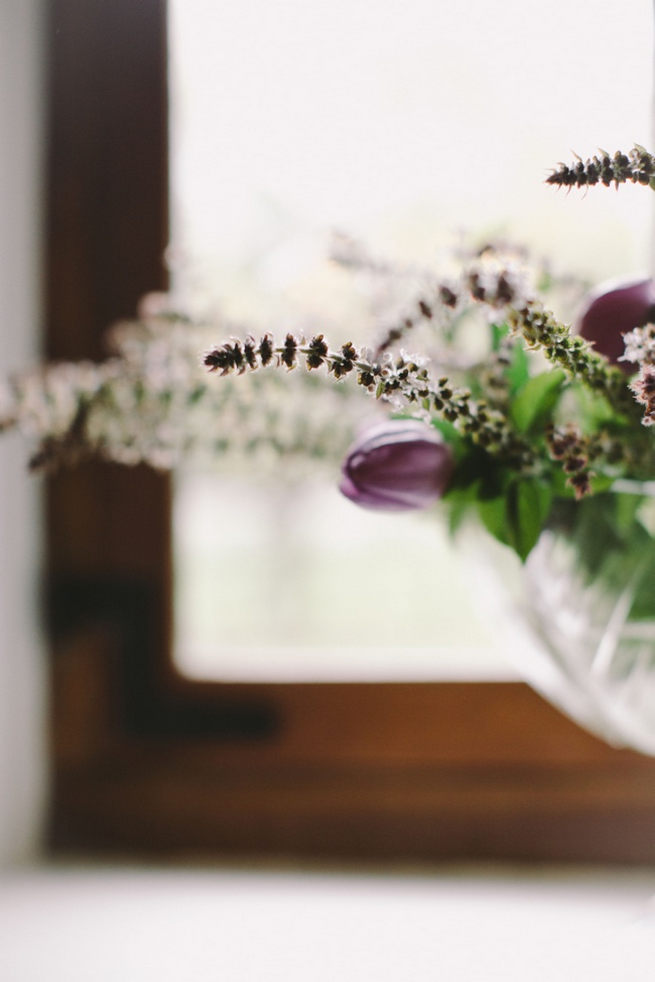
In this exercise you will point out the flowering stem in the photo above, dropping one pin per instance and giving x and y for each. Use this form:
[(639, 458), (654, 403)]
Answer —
[(636, 167), (494, 281), (541, 330), (399, 380)]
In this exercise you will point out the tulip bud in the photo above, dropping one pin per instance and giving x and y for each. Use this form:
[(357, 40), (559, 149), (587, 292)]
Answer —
[(398, 465), (613, 309)]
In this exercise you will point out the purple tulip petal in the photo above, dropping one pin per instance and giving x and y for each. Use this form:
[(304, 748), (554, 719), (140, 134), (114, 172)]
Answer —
[(399, 465)]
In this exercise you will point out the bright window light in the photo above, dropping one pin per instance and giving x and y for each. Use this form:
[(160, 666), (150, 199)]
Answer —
[(410, 126)]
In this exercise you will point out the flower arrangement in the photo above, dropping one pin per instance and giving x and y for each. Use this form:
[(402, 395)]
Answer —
[(539, 424), (502, 416), (519, 420)]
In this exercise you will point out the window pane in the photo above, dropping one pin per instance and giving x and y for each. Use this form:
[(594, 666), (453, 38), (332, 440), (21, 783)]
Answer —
[(295, 583), (407, 125)]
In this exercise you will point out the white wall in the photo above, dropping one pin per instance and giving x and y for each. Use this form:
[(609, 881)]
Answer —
[(22, 667)]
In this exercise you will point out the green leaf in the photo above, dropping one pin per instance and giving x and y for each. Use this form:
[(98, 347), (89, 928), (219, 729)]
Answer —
[(459, 502), (606, 525), (473, 465), (594, 410), (519, 369), (535, 400), (528, 504), (517, 517), (493, 515)]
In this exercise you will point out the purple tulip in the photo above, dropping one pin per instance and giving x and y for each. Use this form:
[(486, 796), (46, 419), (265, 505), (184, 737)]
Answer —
[(398, 465), (613, 309)]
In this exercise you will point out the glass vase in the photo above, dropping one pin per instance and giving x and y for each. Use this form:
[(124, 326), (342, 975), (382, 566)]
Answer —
[(579, 614)]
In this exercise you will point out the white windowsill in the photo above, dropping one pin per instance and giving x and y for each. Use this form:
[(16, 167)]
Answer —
[(275, 663), (89, 924)]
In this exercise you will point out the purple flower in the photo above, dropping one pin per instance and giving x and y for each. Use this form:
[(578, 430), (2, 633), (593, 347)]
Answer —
[(398, 465), (613, 309)]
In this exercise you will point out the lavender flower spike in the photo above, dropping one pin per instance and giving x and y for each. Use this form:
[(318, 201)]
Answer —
[(399, 465)]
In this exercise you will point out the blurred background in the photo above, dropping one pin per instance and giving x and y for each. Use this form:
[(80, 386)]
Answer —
[(22, 667)]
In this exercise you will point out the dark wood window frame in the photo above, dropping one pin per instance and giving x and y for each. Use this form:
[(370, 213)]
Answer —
[(145, 761)]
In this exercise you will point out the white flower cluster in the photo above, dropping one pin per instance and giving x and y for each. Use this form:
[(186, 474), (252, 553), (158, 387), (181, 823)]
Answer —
[(640, 345), (500, 279), (151, 403), (46, 400), (640, 348)]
